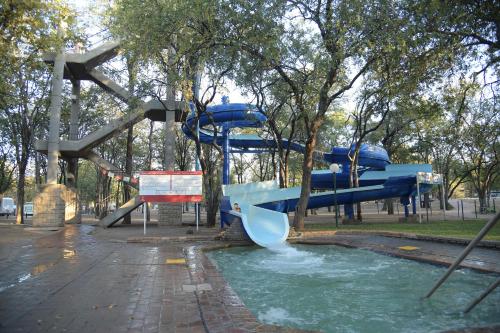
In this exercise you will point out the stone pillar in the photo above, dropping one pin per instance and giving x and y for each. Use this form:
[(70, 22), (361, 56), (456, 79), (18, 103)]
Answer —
[(73, 214), (49, 203), (49, 206), (169, 213)]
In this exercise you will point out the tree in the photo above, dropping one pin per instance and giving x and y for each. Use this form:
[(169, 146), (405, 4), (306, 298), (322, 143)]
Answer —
[(314, 58), (372, 105), (481, 148), (467, 26), (26, 32), (183, 150), (7, 160), (25, 114), (240, 165), (282, 119), (442, 136)]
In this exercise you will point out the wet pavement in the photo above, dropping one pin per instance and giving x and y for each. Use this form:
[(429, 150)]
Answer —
[(88, 279)]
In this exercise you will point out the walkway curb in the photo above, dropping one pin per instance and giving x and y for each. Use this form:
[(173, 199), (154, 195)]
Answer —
[(165, 239)]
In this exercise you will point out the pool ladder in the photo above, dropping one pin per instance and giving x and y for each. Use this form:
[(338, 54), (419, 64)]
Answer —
[(487, 227)]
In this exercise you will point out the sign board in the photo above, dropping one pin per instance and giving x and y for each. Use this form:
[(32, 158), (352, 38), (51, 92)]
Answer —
[(170, 186), (429, 178)]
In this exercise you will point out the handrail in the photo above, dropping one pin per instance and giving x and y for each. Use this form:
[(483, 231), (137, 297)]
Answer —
[(487, 227), (483, 295)]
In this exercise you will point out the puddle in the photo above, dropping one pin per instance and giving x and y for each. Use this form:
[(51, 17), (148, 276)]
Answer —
[(68, 253)]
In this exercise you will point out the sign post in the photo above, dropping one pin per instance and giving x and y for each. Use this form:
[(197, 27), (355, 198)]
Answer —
[(419, 202), (170, 186), (334, 168), (144, 213)]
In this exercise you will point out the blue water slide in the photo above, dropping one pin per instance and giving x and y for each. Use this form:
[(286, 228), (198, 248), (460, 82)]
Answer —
[(211, 126), (263, 205)]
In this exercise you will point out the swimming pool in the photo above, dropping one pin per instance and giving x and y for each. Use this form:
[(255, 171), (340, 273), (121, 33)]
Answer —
[(335, 289)]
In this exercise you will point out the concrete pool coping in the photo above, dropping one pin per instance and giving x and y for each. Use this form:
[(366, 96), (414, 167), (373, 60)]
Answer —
[(434, 250)]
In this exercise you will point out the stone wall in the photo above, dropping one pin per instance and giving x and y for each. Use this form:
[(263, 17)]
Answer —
[(236, 232), (49, 206), (169, 213)]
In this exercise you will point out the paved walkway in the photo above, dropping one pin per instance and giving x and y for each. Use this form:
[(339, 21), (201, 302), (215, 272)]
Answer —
[(87, 279)]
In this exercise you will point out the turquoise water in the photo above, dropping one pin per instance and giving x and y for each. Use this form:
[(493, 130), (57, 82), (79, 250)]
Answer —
[(334, 289)]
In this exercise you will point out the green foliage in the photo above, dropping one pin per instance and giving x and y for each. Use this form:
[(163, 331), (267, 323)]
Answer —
[(7, 158), (480, 151), (86, 183)]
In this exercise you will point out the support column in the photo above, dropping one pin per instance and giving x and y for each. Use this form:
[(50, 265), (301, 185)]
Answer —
[(349, 214), (169, 213), (73, 214), (55, 114), (414, 204), (227, 162), (405, 201), (196, 93), (49, 202)]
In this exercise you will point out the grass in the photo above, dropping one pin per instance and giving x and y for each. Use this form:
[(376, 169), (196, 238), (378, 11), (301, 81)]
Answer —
[(467, 229)]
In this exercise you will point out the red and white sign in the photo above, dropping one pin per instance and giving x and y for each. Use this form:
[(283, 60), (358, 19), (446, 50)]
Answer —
[(170, 186)]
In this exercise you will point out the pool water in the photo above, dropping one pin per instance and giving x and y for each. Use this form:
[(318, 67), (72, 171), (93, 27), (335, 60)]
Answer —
[(335, 289)]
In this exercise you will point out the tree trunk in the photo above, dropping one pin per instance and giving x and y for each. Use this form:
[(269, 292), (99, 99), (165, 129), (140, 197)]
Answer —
[(20, 193), (97, 198), (483, 204), (128, 171), (286, 175), (273, 162), (305, 191), (212, 196), (281, 174), (117, 195), (389, 206), (38, 178)]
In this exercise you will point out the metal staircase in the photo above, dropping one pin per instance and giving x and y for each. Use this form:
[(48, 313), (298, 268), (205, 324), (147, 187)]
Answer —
[(82, 66)]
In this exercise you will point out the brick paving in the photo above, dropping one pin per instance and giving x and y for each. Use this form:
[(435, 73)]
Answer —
[(87, 279)]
